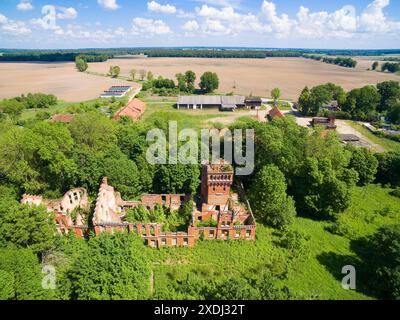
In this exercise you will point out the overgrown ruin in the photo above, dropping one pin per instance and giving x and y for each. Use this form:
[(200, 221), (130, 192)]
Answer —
[(219, 215)]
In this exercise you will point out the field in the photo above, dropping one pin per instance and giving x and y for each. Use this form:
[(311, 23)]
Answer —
[(60, 79), (256, 76), (241, 76)]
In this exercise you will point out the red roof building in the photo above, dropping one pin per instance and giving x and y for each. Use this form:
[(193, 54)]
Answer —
[(64, 118), (133, 110), (275, 113)]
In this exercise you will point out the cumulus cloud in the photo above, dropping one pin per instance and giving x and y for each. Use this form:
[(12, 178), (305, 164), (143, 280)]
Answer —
[(12, 26), (67, 13), (3, 19), (150, 27), (342, 23), (25, 5), (374, 20), (109, 4), (191, 26), (222, 3), (156, 7)]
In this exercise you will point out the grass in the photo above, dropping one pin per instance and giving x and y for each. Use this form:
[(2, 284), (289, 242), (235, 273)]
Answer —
[(316, 274), (386, 144), (165, 109)]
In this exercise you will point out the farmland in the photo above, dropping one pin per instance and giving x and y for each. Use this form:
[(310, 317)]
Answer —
[(60, 79), (241, 76), (256, 76)]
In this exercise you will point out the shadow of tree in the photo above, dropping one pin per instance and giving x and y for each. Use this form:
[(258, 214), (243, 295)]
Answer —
[(363, 260)]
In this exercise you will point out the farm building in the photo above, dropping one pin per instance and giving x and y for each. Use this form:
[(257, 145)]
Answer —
[(224, 103), (253, 102), (133, 110), (116, 91), (328, 122), (331, 106)]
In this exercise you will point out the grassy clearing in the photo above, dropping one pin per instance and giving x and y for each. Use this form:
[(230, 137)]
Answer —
[(387, 144), (165, 109)]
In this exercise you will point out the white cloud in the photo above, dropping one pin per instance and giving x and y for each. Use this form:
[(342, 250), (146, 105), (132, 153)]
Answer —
[(67, 13), (156, 7), (191, 26), (222, 3), (12, 26), (374, 20), (3, 19), (227, 13), (25, 5), (150, 27), (109, 4)]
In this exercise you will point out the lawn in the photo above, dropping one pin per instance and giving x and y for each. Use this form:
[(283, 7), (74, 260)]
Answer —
[(314, 275), (387, 144), (165, 109)]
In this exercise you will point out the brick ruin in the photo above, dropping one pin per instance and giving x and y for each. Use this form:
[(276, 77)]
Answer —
[(219, 215)]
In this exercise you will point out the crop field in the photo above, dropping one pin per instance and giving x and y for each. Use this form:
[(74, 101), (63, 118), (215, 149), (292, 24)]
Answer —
[(253, 76), (60, 79)]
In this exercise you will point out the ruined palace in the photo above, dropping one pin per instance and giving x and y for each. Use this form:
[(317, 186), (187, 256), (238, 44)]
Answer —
[(218, 215)]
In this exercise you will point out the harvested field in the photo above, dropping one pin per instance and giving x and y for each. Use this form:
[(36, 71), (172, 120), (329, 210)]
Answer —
[(256, 76), (60, 79)]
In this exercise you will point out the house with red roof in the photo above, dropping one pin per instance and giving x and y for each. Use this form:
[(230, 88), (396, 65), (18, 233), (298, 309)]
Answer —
[(133, 110), (64, 118), (275, 113)]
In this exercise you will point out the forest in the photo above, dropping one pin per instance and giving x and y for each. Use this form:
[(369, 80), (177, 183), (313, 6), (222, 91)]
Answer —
[(313, 179), (99, 55)]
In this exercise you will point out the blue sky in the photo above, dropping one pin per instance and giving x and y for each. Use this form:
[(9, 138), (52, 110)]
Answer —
[(363, 24)]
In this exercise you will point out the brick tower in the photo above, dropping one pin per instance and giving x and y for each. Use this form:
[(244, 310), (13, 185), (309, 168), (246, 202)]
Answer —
[(216, 182)]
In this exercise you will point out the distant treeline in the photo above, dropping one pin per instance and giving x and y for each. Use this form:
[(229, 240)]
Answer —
[(392, 59), (340, 61), (52, 56), (96, 55)]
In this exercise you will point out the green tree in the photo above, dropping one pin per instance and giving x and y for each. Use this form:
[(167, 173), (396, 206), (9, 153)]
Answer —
[(181, 82), (389, 92), (365, 164), (122, 173), (6, 285), (94, 130), (122, 270), (394, 113), (362, 103), (24, 267), (269, 199), (375, 65), (385, 244), (388, 168), (27, 227), (114, 71), (304, 101), (276, 94), (13, 108), (190, 78), (322, 191), (176, 178), (81, 64), (209, 82)]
